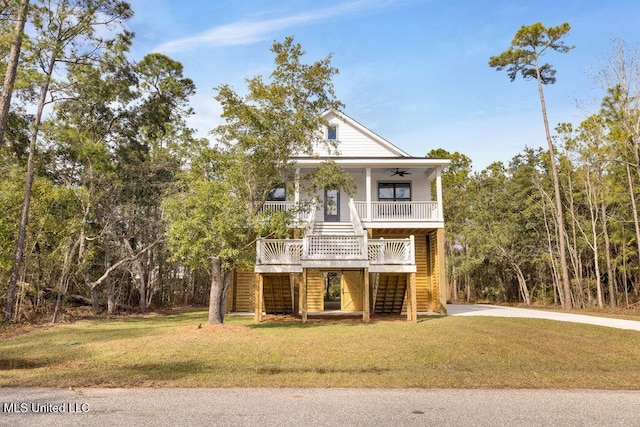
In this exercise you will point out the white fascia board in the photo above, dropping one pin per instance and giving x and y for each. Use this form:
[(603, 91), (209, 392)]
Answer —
[(373, 162)]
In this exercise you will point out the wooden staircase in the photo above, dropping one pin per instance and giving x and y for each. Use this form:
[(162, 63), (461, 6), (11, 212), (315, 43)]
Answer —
[(391, 293), (333, 228), (277, 294)]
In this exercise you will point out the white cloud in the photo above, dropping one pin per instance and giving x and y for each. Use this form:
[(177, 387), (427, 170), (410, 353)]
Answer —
[(252, 31)]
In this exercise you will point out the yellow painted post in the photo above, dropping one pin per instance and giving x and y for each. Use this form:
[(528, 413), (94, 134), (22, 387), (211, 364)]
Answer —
[(303, 296), (414, 298), (409, 299), (259, 297), (295, 291), (442, 277), (366, 314)]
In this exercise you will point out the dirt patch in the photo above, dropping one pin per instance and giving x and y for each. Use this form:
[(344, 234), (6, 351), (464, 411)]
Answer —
[(12, 330), (207, 328), (332, 318)]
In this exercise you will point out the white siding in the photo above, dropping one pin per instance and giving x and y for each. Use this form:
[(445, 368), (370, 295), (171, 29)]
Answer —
[(355, 142)]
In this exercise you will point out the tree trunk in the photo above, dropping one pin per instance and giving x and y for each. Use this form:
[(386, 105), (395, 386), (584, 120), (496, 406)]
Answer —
[(524, 291), (142, 281), (24, 214), (573, 248), (12, 66), (564, 269), (557, 290), (95, 301), (63, 281), (109, 283), (607, 248), (219, 289), (634, 208), (596, 262)]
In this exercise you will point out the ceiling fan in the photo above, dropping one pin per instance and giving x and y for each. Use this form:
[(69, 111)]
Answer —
[(400, 173)]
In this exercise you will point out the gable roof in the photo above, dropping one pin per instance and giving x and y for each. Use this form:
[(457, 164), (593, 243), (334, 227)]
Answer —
[(355, 140)]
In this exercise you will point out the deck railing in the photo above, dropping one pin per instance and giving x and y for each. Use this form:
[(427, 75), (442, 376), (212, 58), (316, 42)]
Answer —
[(399, 211), (391, 251), (279, 251), (335, 247), (328, 247)]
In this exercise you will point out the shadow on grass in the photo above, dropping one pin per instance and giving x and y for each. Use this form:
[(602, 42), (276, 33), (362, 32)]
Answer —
[(61, 354), (427, 318), (165, 371), (316, 321), (21, 363), (280, 370)]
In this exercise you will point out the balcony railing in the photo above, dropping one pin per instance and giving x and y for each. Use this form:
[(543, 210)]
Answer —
[(399, 211), (380, 211), (301, 211), (337, 247)]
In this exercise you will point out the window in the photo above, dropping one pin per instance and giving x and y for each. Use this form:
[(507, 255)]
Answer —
[(394, 191), (332, 132), (278, 194)]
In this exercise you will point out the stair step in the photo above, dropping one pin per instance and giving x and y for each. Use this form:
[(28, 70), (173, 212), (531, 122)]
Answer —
[(333, 228)]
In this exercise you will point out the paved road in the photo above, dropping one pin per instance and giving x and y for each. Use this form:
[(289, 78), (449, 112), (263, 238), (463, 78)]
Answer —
[(321, 407), (498, 311)]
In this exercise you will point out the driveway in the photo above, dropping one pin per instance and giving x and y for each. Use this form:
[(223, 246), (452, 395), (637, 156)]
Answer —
[(498, 311)]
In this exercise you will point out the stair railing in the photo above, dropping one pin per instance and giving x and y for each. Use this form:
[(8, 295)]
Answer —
[(358, 227)]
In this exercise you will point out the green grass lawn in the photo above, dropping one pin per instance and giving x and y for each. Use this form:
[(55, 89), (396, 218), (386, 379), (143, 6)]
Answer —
[(459, 352)]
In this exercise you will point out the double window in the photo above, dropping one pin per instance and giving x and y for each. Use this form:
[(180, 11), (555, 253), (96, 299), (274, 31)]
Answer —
[(394, 191)]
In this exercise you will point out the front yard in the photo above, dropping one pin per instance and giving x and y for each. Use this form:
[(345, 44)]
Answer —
[(181, 350)]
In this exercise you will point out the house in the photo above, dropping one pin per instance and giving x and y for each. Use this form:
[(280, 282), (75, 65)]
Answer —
[(383, 247)]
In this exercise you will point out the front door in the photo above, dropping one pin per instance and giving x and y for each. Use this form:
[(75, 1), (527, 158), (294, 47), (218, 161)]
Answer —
[(331, 205), (352, 291)]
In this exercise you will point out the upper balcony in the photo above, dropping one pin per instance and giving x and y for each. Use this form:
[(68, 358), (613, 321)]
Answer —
[(374, 214)]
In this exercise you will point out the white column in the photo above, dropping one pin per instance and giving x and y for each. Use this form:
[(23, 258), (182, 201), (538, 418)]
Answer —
[(439, 193), (297, 187), (368, 191)]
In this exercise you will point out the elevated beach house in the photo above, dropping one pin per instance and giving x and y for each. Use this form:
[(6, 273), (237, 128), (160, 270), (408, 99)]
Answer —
[(383, 246)]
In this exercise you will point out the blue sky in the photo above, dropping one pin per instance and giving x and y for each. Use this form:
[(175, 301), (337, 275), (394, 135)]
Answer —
[(413, 71)]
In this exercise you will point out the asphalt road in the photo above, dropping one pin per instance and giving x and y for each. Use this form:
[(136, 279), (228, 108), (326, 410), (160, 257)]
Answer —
[(318, 407)]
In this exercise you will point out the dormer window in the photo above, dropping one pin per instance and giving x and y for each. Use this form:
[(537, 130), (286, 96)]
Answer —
[(332, 132)]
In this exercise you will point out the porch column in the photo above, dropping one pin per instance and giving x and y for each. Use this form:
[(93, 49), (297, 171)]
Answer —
[(368, 192), (258, 300), (414, 298), (296, 195), (439, 193), (409, 299), (295, 292), (303, 296), (365, 303), (442, 277)]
